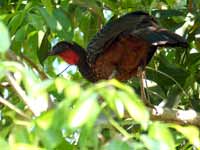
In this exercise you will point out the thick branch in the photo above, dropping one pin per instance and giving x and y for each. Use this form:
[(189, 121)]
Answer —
[(183, 117)]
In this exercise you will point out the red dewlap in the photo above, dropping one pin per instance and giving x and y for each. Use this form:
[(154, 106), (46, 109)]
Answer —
[(70, 57)]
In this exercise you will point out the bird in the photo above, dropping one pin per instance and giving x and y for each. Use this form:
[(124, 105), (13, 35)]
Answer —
[(121, 49)]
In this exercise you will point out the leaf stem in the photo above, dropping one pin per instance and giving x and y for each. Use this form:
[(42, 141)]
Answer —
[(20, 92), (118, 127), (170, 77), (13, 107), (41, 73)]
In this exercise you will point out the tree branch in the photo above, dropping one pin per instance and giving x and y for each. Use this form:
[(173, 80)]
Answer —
[(13, 107), (183, 117), (190, 5), (34, 108), (10, 55), (41, 73)]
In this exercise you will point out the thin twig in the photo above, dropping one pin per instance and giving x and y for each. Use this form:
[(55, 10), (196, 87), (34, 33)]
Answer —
[(168, 76), (118, 127), (41, 73), (13, 107), (20, 92), (190, 5), (10, 55)]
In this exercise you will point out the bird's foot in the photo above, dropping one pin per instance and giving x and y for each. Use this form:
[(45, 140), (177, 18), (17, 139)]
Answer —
[(144, 95), (147, 103)]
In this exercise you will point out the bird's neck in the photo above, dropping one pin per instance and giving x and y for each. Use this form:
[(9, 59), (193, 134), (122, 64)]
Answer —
[(83, 65)]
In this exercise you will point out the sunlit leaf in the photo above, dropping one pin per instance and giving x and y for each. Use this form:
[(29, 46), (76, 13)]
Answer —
[(26, 146), (45, 120), (135, 108), (44, 48), (117, 145), (151, 143), (4, 144), (48, 5), (20, 135), (190, 132), (84, 111), (171, 2), (4, 38), (73, 91), (114, 102), (162, 134)]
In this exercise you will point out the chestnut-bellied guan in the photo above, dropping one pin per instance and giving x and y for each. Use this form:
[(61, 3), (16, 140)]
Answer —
[(121, 47)]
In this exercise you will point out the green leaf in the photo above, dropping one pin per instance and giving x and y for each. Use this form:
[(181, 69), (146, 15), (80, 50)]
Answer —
[(65, 30), (16, 46), (16, 22), (65, 146), (84, 112), (113, 4), (44, 48), (4, 38), (4, 144), (171, 2), (21, 34), (33, 43), (73, 91), (168, 74), (150, 143), (49, 19), (162, 134), (135, 108), (114, 102), (45, 120), (117, 145), (20, 135), (50, 138), (36, 21), (21, 146), (190, 132), (48, 5), (88, 24), (129, 99)]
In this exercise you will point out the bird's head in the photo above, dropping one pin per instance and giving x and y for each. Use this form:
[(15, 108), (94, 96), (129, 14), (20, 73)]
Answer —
[(66, 51)]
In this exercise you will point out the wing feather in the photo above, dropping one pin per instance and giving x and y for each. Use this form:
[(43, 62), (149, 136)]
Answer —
[(138, 24)]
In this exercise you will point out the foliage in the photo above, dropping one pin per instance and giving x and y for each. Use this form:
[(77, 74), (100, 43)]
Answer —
[(39, 110)]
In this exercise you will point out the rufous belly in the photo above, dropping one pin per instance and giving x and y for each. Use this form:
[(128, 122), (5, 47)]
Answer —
[(124, 56)]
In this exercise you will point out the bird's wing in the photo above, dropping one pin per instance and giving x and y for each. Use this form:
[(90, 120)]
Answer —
[(160, 37), (113, 29), (138, 24)]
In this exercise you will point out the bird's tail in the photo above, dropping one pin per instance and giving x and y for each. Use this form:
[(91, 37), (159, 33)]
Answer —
[(164, 37)]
